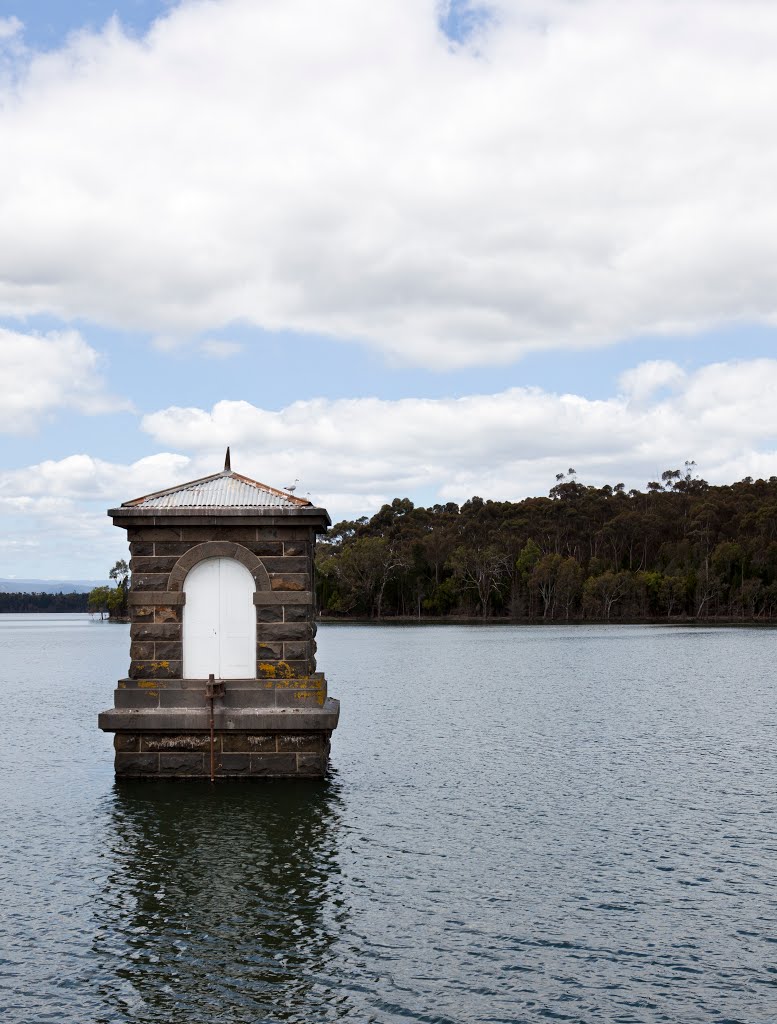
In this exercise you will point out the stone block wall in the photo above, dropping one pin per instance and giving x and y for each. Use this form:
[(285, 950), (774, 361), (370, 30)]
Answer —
[(237, 754), (279, 557), (164, 694)]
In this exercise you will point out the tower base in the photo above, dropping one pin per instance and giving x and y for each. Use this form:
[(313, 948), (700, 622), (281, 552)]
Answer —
[(154, 741)]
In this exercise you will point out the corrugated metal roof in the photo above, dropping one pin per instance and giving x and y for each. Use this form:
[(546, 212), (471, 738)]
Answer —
[(222, 490)]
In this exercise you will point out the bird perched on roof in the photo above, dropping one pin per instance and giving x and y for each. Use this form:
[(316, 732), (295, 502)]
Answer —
[(291, 488)]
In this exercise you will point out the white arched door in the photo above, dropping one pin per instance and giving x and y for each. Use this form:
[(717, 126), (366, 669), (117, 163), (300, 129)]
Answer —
[(219, 621)]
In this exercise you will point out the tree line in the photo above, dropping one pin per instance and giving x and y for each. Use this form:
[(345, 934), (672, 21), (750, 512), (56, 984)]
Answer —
[(680, 549), (41, 602), (107, 602)]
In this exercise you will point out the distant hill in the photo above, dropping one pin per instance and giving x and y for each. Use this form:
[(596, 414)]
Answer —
[(50, 586)]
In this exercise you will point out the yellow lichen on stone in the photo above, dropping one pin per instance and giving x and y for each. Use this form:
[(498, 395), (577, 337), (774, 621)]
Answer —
[(280, 670), (148, 684), (303, 695), (296, 682)]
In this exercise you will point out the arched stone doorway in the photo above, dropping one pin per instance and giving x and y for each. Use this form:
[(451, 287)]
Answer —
[(219, 621)]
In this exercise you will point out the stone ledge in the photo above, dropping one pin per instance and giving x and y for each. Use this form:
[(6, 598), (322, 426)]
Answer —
[(292, 719), (248, 699), (315, 518), (155, 597), (311, 681)]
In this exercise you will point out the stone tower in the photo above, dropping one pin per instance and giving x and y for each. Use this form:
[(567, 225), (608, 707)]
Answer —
[(222, 586)]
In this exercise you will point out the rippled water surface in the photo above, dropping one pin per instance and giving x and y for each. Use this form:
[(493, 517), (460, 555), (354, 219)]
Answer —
[(521, 824)]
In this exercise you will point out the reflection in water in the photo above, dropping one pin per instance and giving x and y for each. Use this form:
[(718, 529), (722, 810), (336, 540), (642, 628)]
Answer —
[(591, 840), (220, 897)]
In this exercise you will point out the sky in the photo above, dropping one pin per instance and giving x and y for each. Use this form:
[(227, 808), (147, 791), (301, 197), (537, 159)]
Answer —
[(403, 248)]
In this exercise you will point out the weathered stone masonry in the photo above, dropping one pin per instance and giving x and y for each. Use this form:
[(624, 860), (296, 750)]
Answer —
[(284, 601), (276, 723)]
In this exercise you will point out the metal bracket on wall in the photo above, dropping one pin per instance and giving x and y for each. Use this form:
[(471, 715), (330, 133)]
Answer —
[(213, 688)]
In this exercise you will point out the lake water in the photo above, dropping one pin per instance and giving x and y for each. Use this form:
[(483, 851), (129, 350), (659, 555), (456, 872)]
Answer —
[(521, 824)]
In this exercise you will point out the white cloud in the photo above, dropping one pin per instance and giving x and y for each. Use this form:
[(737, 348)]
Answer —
[(42, 373), (645, 380), (581, 172), (506, 445), (353, 455), (10, 27), (82, 477), (510, 444), (216, 349)]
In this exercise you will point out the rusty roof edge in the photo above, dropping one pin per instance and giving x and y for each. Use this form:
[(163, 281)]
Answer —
[(134, 502), (221, 512)]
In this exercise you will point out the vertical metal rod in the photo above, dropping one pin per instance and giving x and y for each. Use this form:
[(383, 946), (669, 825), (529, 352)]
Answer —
[(212, 746), (211, 682)]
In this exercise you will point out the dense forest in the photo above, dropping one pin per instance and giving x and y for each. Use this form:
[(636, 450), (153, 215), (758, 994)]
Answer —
[(43, 602), (681, 549)]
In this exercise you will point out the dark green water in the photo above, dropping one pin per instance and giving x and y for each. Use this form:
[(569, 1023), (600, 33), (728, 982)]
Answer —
[(521, 824)]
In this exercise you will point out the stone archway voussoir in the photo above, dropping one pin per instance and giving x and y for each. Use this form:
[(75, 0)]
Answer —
[(218, 549)]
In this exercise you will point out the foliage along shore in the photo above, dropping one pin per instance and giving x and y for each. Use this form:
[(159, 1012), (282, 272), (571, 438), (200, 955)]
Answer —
[(22, 602), (681, 550), (107, 602)]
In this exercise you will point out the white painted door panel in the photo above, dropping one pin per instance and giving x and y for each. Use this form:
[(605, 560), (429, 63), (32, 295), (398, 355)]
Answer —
[(238, 621), (219, 621), (201, 621)]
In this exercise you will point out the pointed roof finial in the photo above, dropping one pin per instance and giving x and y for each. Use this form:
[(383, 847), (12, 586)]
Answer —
[(227, 462)]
